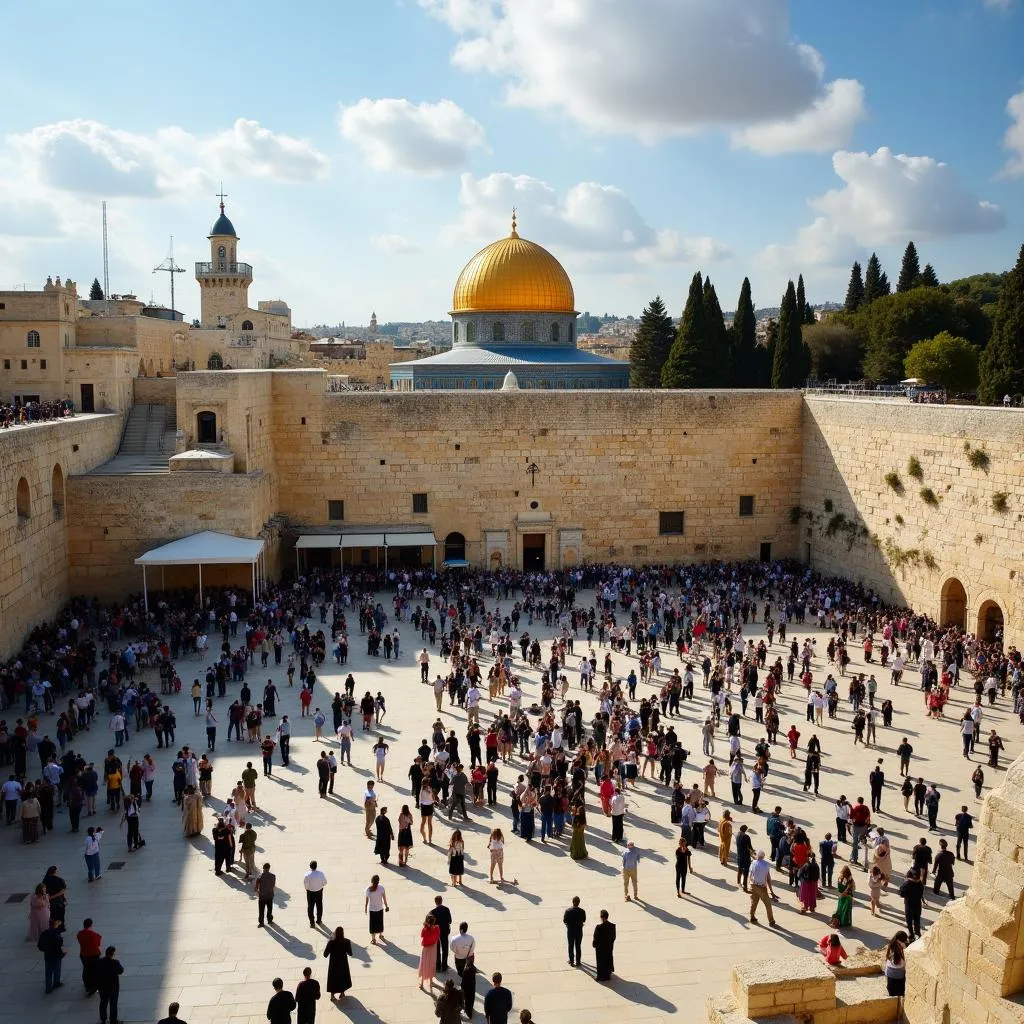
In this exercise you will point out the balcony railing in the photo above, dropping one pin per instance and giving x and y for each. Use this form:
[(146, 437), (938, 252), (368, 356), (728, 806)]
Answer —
[(224, 269)]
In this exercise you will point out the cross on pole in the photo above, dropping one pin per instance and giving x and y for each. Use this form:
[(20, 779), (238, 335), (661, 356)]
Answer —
[(222, 195), (533, 469)]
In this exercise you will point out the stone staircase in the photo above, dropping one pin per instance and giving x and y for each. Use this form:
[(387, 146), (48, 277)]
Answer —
[(146, 444)]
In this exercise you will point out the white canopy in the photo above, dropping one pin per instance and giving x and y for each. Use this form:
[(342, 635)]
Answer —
[(362, 540), (319, 540), (206, 548), (388, 540)]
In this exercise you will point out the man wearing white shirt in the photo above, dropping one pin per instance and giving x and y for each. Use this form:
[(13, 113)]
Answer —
[(463, 946), (11, 793), (345, 740), (473, 705), (314, 881)]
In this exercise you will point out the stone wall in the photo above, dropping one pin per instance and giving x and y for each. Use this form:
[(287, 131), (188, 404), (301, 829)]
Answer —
[(156, 391), (606, 464), (910, 549), (34, 566)]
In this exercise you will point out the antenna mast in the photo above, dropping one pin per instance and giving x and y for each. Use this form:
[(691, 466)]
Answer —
[(106, 263), (170, 267)]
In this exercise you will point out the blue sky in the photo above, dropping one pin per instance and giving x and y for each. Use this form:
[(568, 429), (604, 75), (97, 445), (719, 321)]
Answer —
[(369, 147)]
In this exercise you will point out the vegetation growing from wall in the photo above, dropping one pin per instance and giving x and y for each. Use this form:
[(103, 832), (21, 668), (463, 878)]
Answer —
[(977, 457), (929, 497), (1001, 501), (914, 468), (892, 478)]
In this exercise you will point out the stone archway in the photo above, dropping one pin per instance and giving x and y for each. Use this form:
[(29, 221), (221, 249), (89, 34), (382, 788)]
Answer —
[(990, 621), (953, 604), (455, 547)]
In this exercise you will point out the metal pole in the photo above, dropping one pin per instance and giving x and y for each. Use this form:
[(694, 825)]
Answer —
[(253, 567), (200, 584), (145, 592)]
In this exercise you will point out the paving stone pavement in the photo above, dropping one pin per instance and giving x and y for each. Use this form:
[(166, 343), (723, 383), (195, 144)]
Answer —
[(183, 934)]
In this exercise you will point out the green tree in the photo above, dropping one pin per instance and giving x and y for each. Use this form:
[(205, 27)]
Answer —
[(743, 342), (873, 280), (893, 324), (766, 354), (801, 299), (910, 269), (984, 289), (789, 359), (96, 291), (929, 279), (945, 361), (718, 338), (854, 290), (651, 345), (836, 351), (689, 361), (1002, 365)]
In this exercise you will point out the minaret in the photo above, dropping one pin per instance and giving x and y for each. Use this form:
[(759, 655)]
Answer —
[(373, 323), (223, 282)]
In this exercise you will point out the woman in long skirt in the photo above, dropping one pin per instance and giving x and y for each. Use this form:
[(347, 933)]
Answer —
[(29, 811), (578, 844), (38, 913), (338, 950), (430, 935), (809, 876), (844, 907)]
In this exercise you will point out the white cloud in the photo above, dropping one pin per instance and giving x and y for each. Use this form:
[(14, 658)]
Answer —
[(590, 219), (88, 158), (823, 127), (425, 138), (654, 68), (1013, 140), (999, 5), (393, 244), (886, 198)]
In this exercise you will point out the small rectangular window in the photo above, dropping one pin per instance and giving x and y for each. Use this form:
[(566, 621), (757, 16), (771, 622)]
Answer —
[(336, 510), (670, 523), (419, 504), (7, 364), (24, 364), (42, 364), (746, 504)]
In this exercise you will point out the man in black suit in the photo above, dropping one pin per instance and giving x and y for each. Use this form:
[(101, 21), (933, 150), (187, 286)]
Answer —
[(574, 919), (443, 920), (282, 1002), (604, 944)]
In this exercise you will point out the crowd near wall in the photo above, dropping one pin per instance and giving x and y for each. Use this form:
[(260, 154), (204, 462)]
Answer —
[(923, 503)]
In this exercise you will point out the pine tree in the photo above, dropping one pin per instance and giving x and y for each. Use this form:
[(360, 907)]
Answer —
[(928, 279), (789, 356), (689, 363), (854, 290), (1002, 362), (651, 345), (743, 341), (910, 271), (802, 305), (883, 286), (872, 277), (718, 338), (96, 292)]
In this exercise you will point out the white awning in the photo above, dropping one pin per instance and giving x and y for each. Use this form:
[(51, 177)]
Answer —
[(362, 540), (411, 540), (319, 540), (206, 548)]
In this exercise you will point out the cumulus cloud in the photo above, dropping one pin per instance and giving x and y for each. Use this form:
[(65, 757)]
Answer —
[(589, 219), (653, 68), (887, 198), (86, 157), (1013, 140), (823, 127), (424, 138), (393, 244)]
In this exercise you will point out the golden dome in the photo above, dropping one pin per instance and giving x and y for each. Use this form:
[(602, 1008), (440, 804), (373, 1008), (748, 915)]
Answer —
[(513, 275)]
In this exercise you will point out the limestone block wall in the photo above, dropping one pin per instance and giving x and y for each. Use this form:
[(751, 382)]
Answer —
[(908, 548), (34, 574), (606, 464), (156, 391), (119, 517)]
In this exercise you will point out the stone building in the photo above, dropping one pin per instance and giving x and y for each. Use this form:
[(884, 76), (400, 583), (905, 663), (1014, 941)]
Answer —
[(513, 310)]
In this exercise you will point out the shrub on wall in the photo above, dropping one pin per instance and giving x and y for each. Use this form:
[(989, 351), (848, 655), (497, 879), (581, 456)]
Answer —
[(914, 468), (977, 457), (1001, 501), (894, 481), (929, 497)]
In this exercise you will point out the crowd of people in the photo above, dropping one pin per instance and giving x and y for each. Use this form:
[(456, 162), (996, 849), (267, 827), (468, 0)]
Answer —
[(22, 413), (556, 762)]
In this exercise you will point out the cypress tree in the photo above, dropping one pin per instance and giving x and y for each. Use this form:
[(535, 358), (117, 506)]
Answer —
[(718, 338), (766, 354), (689, 363), (743, 339), (854, 290), (929, 279), (910, 270), (789, 357), (1002, 362), (801, 299), (872, 279), (96, 291), (651, 345)]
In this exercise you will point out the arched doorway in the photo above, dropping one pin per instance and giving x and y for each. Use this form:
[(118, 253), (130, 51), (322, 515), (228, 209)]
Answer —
[(23, 501), (206, 427), (455, 548), (990, 622), (215, 362), (953, 604), (57, 491), (495, 561)]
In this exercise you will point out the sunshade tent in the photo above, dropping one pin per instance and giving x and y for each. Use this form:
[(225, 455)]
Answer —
[(206, 548)]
